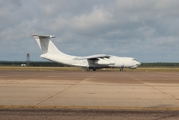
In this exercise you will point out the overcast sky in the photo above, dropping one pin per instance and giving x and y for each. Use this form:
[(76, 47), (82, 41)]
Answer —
[(147, 30)]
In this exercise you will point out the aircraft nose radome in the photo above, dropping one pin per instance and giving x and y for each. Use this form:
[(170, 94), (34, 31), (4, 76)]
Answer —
[(138, 63)]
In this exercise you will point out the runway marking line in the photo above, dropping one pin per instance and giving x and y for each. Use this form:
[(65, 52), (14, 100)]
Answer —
[(154, 88)]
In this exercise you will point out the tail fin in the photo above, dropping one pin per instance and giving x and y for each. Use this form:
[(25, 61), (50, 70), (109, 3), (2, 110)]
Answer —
[(46, 44)]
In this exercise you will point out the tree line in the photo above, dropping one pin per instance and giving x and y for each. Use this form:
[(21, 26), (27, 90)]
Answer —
[(31, 63), (53, 64)]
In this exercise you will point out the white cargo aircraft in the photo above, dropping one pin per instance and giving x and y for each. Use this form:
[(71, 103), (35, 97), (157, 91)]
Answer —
[(51, 52)]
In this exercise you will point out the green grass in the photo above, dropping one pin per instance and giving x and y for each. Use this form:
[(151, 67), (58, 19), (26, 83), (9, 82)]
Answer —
[(40, 68), (158, 69), (146, 69), (140, 69)]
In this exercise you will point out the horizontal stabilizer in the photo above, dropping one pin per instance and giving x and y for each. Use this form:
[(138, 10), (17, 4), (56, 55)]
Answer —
[(44, 36)]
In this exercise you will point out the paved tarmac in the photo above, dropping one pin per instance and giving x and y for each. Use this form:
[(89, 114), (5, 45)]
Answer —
[(93, 90), (86, 114)]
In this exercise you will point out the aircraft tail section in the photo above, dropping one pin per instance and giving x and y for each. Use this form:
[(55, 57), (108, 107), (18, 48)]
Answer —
[(46, 44)]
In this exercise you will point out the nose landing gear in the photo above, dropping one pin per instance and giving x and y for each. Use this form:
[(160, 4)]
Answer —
[(121, 69)]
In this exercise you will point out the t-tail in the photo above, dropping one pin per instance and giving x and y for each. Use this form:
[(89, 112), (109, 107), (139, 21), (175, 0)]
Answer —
[(49, 50), (46, 44)]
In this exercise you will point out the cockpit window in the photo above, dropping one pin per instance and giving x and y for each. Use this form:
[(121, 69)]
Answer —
[(134, 60)]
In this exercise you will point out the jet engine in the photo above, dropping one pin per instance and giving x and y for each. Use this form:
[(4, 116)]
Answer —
[(104, 62)]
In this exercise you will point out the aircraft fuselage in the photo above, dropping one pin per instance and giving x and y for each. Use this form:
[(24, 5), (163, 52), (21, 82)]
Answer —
[(52, 53)]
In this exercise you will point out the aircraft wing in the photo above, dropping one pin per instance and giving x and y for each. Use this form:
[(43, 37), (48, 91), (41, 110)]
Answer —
[(93, 57)]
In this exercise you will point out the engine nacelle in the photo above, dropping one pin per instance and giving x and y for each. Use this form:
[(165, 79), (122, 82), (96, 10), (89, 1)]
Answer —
[(104, 62)]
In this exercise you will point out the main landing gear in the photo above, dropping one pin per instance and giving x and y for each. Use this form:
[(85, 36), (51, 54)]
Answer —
[(88, 69)]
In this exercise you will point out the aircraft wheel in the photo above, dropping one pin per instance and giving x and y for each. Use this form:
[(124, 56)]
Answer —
[(121, 69), (87, 69), (94, 69)]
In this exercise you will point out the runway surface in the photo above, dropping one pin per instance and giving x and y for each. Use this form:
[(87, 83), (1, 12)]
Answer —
[(86, 114), (126, 91), (90, 89)]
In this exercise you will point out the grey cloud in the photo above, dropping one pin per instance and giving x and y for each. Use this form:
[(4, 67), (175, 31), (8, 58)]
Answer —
[(147, 30)]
